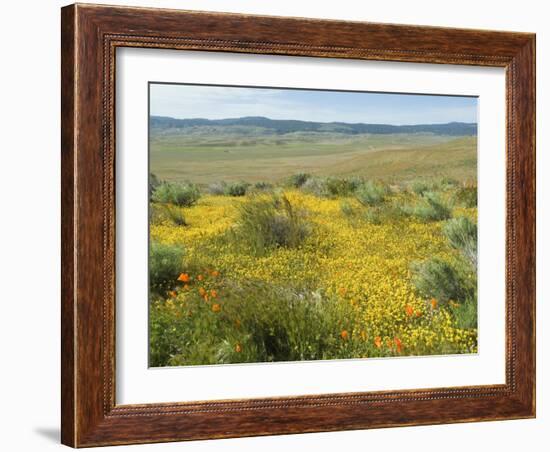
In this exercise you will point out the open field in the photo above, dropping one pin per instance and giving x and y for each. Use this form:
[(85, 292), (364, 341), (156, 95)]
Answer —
[(315, 267), (394, 158)]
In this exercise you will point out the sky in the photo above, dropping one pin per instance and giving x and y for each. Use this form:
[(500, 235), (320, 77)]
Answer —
[(220, 102)]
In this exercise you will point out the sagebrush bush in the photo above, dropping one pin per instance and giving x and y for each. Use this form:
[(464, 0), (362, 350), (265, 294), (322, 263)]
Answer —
[(347, 208), (316, 186), (156, 213), (254, 322), (237, 188), (175, 214), (420, 187), (183, 194), (466, 196), (217, 188), (165, 263), (331, 187), (465, 313), (263, 186), (443, 280), (153, 184), (445, 183), (385, 213), (229, 189), (297, 180), (370, 193), (432, 207), (461, 233), (268, 222), (336, 186)]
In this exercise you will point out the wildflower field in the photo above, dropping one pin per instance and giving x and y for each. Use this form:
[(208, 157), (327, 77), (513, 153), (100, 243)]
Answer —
[(312, 266)]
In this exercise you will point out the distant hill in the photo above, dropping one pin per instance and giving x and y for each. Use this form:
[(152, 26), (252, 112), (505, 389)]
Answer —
[(283, 126)]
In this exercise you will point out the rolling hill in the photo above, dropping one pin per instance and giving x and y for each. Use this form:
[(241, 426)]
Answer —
[(257, 149), (261, 125)]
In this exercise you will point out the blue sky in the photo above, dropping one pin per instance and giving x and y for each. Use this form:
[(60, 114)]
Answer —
[(215, 102)]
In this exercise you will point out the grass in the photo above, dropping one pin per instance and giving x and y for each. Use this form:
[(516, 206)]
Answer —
[(388, 157)]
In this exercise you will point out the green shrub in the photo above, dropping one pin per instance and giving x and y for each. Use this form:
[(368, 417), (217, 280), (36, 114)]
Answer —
[(371, 194), (254, 322), (439, 279), (336, 186), (432, 208), (420, 187), (461, 233), (316, 186), (331, 187), (263, 186), (347, 208), (445, 183), (385, 213), (297, 180), (270, 222), (237, 189), (217, 188), (153, 184), (465, 313), (175, 215), (228, 189), (165, 264), (466, 196), (181, 194), (156, 213)]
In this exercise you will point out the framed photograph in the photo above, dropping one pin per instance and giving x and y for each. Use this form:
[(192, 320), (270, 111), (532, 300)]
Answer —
[(282, 225)]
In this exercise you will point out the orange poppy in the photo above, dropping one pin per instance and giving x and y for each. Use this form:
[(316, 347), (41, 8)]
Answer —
[(398, 344), (344, 335), (202, 291), (433, 303), (409, 310), (215, 273), (238, 348), (173, 293), (418, 314), (216, 307), (214, 293), (184, 277), (378, 341)]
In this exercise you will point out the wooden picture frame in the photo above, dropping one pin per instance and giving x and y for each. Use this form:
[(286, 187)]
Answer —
[(90, 36)]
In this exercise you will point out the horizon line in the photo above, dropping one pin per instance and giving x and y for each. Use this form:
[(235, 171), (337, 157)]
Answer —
[(318, 122)]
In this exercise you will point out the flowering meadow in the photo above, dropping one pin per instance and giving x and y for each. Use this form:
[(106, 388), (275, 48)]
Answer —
[(311, 268)]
